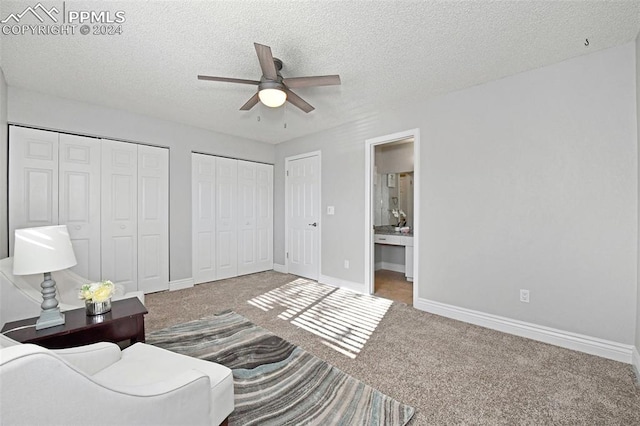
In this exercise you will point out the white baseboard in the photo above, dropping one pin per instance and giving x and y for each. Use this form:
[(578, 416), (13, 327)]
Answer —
[(280, 268), (339, 282), (635, 361), (579, 342), (180, 284), (395, 267)]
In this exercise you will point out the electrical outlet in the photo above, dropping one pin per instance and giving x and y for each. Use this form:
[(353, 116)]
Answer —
[(331, 210), (346, 264), (524, 296)]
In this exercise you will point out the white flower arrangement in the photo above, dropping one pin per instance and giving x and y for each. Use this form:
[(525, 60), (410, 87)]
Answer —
[(97, 292), (397, 213), (400, 215)]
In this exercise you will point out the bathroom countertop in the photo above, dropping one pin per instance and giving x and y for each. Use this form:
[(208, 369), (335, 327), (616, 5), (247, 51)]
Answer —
[(389, 231)]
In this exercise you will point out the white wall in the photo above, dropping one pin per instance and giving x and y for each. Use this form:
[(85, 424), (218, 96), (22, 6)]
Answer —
[(389, 254), (395, 158), (4, 147), (38, 110), (527, 182)]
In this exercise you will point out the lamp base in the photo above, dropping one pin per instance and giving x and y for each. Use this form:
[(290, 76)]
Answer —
[(50, 315), (49, 319)]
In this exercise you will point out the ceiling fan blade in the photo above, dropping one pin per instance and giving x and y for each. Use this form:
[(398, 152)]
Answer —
[(250, 103), (320, 80), (299, 102), (228, 80), (266, 61)]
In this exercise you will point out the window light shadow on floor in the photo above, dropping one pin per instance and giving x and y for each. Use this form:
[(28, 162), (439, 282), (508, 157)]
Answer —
[(342, 318), (295, 296)]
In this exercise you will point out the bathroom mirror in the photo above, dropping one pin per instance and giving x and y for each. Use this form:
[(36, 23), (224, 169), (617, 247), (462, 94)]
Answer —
[(393, 191)]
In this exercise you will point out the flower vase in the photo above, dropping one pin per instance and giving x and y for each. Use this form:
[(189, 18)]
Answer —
[(98, 308)]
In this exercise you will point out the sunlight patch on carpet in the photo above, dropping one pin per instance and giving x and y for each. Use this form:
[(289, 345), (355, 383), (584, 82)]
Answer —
[(342, 318), (294, 296)]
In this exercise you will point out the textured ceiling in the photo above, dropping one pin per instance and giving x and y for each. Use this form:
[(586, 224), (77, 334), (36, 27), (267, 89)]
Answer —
[(386, 53)]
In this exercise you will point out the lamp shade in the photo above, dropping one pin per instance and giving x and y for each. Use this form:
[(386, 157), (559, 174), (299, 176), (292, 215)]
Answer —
[(42, 249)]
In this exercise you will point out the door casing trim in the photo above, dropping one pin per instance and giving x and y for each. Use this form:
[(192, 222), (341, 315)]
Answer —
[(369, 261)]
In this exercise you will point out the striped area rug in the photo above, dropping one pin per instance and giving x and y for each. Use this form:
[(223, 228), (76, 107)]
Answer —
[(276, 382)]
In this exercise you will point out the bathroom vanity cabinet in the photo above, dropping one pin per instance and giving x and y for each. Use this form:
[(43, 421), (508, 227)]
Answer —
[(397, 239)]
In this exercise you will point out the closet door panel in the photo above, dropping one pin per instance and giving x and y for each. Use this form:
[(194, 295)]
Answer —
[(203, 175), (226, 220), (33, 179), (119, 213), (79, 200), (40, 199), (153, 218), (246, 217), (264, 217)]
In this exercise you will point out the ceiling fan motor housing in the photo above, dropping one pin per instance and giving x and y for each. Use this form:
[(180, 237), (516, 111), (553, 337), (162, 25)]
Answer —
[(270, 84), (278, 63)]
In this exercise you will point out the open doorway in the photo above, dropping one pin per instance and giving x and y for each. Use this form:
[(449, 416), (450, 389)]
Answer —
[(392, 182)]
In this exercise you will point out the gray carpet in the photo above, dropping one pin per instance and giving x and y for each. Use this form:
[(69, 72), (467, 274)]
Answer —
[(451, 372), (277, 383)]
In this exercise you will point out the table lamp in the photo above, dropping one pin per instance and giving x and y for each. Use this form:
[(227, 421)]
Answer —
[(44, 250)]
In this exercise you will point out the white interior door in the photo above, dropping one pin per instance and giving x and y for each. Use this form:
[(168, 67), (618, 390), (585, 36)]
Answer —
[(303, 213), (264, 217), (247, 187), (153, 218), (226, 219), (120, 213), (203, 199), (33, 179), (79, 200)]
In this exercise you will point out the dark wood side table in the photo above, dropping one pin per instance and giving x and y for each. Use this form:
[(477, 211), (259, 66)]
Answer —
[(125, 321)]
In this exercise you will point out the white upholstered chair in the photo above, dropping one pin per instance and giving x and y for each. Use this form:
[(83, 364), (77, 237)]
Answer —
[(20, 296), (100, 384)]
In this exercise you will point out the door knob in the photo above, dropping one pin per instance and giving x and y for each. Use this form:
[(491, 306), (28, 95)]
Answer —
[(314, 224)]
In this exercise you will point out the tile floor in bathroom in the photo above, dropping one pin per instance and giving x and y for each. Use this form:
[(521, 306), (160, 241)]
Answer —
[(393, 285)]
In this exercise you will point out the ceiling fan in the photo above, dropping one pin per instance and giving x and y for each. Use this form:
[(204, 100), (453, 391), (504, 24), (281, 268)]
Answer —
[(273, 89)]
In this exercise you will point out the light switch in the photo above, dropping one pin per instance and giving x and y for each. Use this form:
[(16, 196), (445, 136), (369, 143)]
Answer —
[(331, 210)]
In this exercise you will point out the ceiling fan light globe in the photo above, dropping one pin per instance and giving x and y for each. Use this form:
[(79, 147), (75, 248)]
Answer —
[(272, 97)]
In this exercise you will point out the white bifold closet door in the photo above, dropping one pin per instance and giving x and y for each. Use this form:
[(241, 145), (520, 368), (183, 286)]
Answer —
[(232, 217), (203, 195), (120, 213), (113, 197), (79, 200), (226, 220), (255, 217), (33, 179), (153, 218), (55, 179), (135, 236), (264, 218)]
